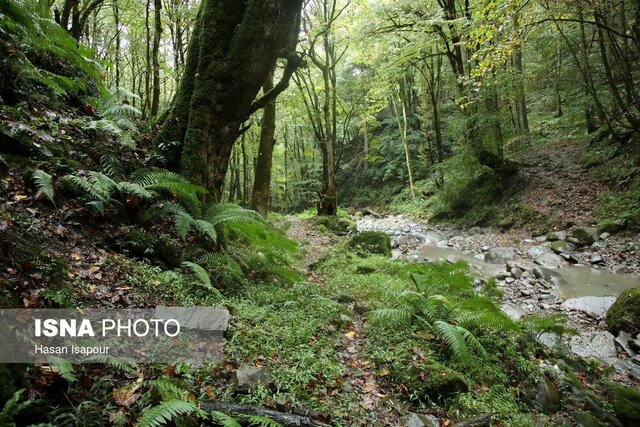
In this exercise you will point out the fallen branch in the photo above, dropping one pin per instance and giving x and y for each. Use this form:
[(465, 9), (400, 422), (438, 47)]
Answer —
[(280, 417), (479, 421)]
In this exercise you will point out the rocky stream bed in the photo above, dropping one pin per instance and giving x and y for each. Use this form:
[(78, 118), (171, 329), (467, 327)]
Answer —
[(574, 272)]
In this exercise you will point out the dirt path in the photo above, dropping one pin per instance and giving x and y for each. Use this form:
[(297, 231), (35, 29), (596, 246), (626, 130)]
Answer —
[(374, 407), (557, 185)]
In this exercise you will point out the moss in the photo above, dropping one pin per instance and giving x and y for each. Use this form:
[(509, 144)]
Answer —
[(371, 242), (432, 382), (339, 226), (585, 419), (552, 237), (624, 314), (625, 402), (611, 227), (583, 236), (557, 245)]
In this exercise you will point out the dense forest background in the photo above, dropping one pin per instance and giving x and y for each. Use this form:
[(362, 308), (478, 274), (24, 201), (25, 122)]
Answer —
[(266, 156)]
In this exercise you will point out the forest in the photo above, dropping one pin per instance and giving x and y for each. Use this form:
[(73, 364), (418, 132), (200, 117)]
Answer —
[(415, 213)]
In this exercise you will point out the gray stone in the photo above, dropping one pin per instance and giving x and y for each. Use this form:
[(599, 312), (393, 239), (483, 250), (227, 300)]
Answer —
[(542, 273), (499, 255), (595, 307), (564, 249), (512, 311), (624, 340), (569, 258), (516, 272), (248, 377), (526, 292), (596, 259), (548, 339), (535, 251), (545, 297), (549, 260), (509, 280), (419, 420), (544, 394), (604, 236), (597, 345)]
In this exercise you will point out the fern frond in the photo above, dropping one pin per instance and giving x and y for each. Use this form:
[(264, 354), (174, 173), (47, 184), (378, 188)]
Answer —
[(454, 339), (206, 228), (121, 363), (260, 421), (393, 315), (135, 189), (44, 183), (224, 420), (183, 222), (111, 166), (224, 212), (200, 273), (164, 412), (169, 389)]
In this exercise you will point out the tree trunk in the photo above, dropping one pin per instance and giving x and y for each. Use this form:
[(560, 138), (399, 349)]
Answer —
[(237, 46), (262, 180), (116, 18), (155, 102)]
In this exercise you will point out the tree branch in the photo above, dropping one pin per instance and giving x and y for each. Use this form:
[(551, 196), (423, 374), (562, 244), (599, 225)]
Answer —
[(293, 62)]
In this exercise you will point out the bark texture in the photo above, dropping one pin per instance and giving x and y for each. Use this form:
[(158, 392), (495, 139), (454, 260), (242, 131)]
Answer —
[(236, 46), (262, 181)]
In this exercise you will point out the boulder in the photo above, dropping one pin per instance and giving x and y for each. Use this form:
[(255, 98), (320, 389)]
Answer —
[(419, 420), (535, 251), (625, 402), (549, 260), (499, 255), (624, 314), (583, 236), (248, 377), (598, 345), (596, 259), (371, 242), (561, 247), (516, 272), (512, 311), (593, 306), (543, 394)]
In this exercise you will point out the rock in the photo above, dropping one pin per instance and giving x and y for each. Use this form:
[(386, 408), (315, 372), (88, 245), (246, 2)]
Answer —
[(548, 339), (596, 259), (526, 292), (549, 260), (624, 314), (542, 273), (625, 402), (501, 276), (624, 340), (371, 242), (248, 377), (485, 248), (543, 394), (569, 258), (509, 280), (516, 273), (338, 226), (512, 311), (535, 251), (561, 246), (499, 255), (583, 236), (627, 368), (452, 259), (545, 297), (419, 420), (478, 282), (597, 345), (593, 306)]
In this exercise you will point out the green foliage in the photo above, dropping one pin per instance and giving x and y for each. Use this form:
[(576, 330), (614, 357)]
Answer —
[(450, 317), (47, 55), (105, 191), (166, 411), (13, 407), (45, 186), (117, 114), (624, 314)]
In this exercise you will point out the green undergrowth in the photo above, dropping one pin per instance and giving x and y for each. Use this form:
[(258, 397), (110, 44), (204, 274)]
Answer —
[(616, 164)]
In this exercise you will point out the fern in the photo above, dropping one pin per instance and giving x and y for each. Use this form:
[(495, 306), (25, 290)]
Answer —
[(13, 407), (224, 420), (200, 273), (64, 368), (2, 160), (44, 183), (169, 390), (260, 421), (164, 412)]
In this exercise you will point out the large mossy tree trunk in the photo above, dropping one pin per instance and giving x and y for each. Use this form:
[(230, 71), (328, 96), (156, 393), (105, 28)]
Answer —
[(262, 180), (236, 44)]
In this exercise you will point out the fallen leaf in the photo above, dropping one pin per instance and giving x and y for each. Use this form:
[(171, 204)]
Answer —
[(351, 335), (125, 396)]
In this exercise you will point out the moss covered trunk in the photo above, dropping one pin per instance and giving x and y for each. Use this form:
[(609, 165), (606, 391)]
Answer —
[(238, 45), (262, 181)]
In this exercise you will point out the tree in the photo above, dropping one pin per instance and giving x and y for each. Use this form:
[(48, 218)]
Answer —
[(236, 46), (262, 180), (155, 100)]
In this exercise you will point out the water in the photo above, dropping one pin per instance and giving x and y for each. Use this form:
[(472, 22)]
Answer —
[(572, 281)]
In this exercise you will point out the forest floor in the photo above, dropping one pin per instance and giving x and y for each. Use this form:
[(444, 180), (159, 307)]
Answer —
[(557, 185)]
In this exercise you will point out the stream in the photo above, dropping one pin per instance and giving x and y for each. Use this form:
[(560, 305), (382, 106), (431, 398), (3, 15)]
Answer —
[(580, 280)]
